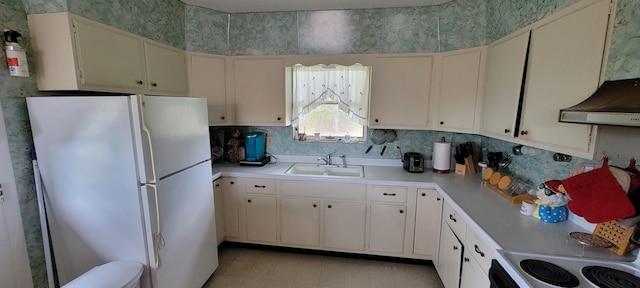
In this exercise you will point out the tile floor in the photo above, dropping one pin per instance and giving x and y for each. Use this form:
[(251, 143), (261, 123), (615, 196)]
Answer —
[(242, 267)]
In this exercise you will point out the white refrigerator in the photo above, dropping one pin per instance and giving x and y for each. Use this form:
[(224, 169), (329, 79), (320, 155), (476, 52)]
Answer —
[(128, 178)]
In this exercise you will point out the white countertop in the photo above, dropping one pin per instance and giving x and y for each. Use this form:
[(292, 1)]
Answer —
[(489, 214)]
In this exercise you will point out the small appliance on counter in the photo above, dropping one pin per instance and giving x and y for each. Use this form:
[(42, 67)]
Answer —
[(255, 150), (413, 162)]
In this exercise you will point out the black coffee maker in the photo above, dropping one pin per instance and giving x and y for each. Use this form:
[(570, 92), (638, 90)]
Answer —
[(493, 159)]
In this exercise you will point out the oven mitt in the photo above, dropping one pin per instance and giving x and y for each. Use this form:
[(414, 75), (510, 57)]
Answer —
[(597, 196)]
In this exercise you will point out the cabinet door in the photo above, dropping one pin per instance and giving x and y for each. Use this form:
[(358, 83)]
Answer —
[(207, 78), (261, 219), (387, 225), (472, 275), (503, 82), (260, 91), (450, 256), (300, 222), (218, 200), (108, 58), (564, 69), (344, 225), (231, 205), (458, 91), (400, 89), (427, 229), (166, 69)]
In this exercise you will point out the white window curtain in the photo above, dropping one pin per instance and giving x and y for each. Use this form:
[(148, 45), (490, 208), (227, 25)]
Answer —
[(347, 86)]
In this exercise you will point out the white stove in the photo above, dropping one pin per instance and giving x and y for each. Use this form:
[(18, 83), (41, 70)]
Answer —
[(514, 262)]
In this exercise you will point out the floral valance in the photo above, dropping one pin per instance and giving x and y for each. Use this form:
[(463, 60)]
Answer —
[(347, 86)]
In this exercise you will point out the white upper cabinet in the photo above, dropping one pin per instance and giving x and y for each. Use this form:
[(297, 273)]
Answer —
[(565, 61), (458, 98), (503, 82), (259, 90), (207, 78), (400, 90), (74, 53), (166, 69)]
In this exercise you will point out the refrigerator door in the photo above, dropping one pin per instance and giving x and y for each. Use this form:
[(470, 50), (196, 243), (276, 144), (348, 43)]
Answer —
[(85, 148), (189, 254), (178, 130)]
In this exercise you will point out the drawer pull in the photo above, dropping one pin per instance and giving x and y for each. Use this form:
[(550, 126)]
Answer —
[(249, 200), (455, 247), (260, 186), (401, 211), (329, 206), (452, 218), (424, 194), (389, 194), (466, 259), (231, 182), (438, 199), (217, 185), (314, 205), (475, 247)]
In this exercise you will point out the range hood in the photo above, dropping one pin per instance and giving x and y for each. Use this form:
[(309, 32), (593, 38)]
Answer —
[(614, 103)]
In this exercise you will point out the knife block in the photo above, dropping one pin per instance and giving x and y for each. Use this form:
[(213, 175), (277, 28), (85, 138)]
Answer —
[(468, 168)]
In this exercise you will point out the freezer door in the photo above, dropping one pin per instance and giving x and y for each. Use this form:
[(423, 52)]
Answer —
[(88, 166), (179, 132), (189, 253)]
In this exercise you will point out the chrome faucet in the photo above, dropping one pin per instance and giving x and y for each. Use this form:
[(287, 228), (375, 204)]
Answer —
[(344, 160), (327, 159)]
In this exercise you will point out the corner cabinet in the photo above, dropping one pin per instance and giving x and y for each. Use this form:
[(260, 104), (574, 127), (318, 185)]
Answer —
[(459, 86), (208, 79), (400, 91), (259, 91), (427, 226), (75, 53)]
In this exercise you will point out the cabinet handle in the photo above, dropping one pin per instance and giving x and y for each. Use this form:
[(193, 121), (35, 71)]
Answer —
[(475, 247), (377, 120), (260, 186), (217, 185), (314, 205), (279, 118), (507, 131), (466, 259), (401, 211), (424, 194), (455, 247), (438, 199), (452, 218), (154, 84), (389, 194), (249, 200), (524, 132), (231, 182), (441, 122), (329, 206), (222, 118), (139, 82)]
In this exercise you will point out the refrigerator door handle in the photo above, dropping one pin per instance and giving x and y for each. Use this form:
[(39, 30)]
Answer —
[(147, 132), (158, 239)]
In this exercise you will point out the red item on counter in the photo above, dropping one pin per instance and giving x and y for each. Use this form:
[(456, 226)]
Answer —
[(597, 196)]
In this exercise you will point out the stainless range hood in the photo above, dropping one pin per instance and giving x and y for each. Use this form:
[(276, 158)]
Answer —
[(614, 103)]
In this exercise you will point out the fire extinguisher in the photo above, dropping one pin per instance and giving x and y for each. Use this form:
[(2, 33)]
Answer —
[(16, 55)]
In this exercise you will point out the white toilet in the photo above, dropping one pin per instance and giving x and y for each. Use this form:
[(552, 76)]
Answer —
[(117, 274)]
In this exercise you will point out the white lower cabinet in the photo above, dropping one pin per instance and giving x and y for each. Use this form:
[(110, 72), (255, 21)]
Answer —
[(472, 274), (427, 227), (344, 225), (450, 256), (300, 222), (386, 231), (261, 216), (218, 202), (231, 198)]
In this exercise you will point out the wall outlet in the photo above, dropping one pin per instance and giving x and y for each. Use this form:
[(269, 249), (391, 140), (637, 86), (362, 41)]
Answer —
[(396, 145), (269, 141)]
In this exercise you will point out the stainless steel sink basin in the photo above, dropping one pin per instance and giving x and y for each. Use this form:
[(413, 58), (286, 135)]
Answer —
[(309, 169)]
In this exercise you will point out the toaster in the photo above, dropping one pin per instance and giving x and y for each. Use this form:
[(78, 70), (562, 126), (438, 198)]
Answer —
[(413, 162)]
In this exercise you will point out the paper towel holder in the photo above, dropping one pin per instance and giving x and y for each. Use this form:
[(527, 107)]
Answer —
[(443, 169)]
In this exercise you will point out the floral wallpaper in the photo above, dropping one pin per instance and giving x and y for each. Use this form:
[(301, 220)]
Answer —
[(392, 30)]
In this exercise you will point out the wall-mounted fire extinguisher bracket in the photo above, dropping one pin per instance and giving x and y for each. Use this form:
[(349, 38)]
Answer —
[(16, 55)]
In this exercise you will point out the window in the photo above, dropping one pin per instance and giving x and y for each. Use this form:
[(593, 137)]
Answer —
[(330, 101)]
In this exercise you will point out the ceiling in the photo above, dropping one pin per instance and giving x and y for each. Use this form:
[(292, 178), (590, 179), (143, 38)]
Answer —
[(238, 6)]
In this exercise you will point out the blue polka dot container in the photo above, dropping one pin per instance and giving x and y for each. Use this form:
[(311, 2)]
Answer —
[(551, 214)]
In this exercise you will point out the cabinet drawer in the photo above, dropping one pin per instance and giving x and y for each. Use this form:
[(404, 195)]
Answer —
[(391, 194), (259, 186), (478, 249), (454, 220)]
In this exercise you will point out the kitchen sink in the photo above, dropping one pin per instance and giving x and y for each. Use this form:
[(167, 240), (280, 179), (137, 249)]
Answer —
[(310, 169)]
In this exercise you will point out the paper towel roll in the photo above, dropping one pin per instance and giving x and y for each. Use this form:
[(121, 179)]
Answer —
[(441, 157)]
